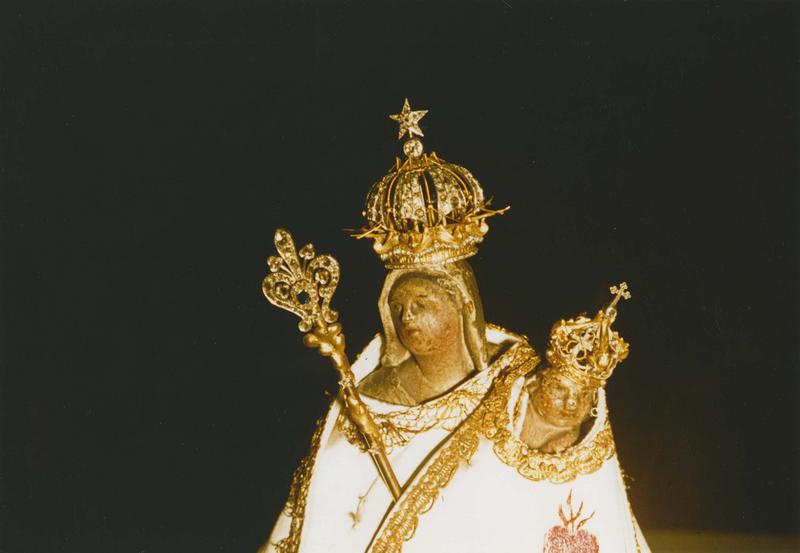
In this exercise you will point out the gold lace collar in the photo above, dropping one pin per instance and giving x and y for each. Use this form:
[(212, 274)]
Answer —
[(498, 423), (399, 424)]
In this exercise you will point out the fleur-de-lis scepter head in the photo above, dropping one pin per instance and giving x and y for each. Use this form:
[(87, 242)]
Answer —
[(301, 282)]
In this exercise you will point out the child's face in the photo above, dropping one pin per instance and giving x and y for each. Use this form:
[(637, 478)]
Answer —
[(562, 402)]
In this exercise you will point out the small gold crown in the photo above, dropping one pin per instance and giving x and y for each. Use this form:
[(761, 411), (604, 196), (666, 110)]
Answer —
[(425, 211), (587, 350)]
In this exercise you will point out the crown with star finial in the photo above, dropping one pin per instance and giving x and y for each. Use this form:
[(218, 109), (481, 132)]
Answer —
[(424, 211), (587, 350)]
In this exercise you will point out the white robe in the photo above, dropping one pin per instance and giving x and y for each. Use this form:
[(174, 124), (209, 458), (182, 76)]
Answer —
[(469, 484)]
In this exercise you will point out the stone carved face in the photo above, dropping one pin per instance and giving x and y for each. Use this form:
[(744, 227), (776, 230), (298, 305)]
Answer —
[(426, 316), (455, 279), (560, 401)]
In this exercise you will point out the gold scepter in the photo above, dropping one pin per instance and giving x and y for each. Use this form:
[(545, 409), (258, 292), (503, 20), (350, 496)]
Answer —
[(303, 283)]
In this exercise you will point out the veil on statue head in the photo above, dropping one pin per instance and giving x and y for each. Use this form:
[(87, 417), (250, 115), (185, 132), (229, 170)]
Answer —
[(454, 277)]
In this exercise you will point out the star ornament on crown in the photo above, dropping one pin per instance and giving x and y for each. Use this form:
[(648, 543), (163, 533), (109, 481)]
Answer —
[(424, 211), (587, 350)]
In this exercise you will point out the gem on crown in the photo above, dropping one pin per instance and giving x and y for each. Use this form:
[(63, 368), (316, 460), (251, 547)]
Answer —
[(424, 211), (587, 350)]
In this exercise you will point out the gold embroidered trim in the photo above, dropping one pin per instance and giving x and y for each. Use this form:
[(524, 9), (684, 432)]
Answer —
[(298, 492), (419, 499), (461, 447), (635, 530), (634, 524)]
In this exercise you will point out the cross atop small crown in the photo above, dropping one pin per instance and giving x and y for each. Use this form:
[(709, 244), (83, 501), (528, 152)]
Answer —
[(620, 291)]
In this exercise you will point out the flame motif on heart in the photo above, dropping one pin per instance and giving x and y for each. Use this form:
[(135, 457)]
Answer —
[(571, 536)]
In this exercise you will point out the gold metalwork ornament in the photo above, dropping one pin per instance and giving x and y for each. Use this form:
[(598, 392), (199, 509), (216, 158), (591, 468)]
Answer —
[(425, 211), (587, 350), (301, 282), (409, 120), (305, 288)]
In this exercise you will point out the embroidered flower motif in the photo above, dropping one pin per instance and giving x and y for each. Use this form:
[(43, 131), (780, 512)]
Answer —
[(571, 537)]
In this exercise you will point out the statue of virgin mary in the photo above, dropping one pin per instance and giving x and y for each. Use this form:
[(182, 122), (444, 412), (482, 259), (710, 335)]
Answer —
[(491, 447)]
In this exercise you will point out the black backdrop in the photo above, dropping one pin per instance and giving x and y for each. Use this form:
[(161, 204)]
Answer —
[(153, 401)]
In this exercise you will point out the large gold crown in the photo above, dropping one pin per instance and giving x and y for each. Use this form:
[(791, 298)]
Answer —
[(425, 211), (587, 350)]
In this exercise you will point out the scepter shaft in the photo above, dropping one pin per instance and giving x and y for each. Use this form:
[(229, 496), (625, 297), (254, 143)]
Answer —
[(329, 339), (303, 283)]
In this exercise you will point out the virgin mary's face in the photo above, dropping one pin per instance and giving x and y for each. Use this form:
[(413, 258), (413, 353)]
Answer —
[(426, 317)]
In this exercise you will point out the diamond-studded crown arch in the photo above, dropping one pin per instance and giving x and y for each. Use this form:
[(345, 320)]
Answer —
[(433, 193)]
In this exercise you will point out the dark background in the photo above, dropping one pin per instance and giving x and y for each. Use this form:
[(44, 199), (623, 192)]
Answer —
[(153, 401)]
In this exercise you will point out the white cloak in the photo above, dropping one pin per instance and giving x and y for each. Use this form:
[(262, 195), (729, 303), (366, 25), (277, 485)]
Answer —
[(469, 484)]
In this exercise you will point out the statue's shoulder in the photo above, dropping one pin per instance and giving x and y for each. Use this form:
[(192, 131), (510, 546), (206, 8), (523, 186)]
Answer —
[(375, 381), (509, 347)]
